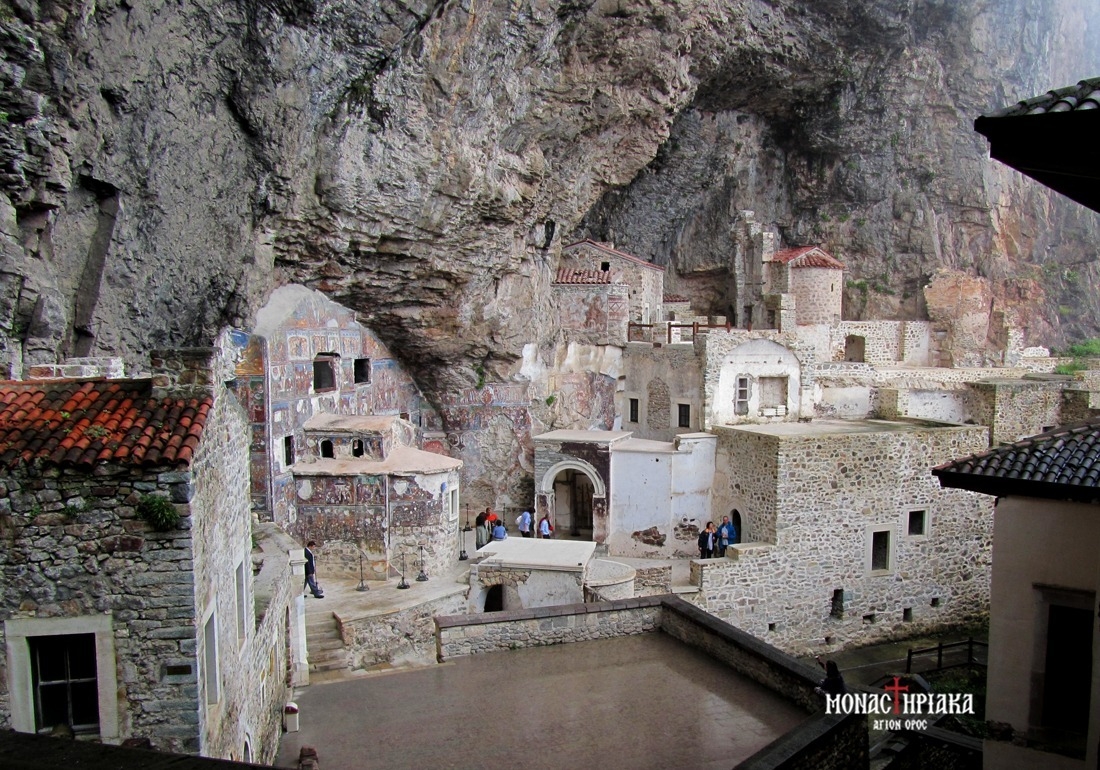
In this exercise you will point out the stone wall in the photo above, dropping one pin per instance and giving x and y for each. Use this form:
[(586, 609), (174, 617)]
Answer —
[(815, 499), (74, 546), (818, 294), (1015, 409), (396, 637), (825, 742), (650, 581), (938, 748), (472, 634), (252, 690), (882, 340), (680, 373)]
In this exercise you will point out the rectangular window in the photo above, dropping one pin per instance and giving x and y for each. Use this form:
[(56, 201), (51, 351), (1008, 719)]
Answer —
[(633, 410), (324, 372), (683, 415), (288, 451), (741, 398), (917, 523), (241, 595), (210, 659), (361, 370), (880, 551), (66, 689)]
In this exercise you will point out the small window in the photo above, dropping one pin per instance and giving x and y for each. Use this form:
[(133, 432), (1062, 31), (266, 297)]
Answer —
[(210, 659), (741, 399), (64, 676), (361, 371), (357, 448), (324, 372), (837, 608), (327, 449), (917, 524), (634, 410), (907, 615), (683, 415), (288, 451), (241, 594), (605, 266), (880, 551)]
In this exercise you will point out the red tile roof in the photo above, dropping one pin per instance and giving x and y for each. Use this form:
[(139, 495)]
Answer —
[(807, 256), (676, 298), (79, 423), (574, 275), (603, 247)]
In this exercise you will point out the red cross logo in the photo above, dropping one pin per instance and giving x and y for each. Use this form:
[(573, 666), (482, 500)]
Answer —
[(896, 688)]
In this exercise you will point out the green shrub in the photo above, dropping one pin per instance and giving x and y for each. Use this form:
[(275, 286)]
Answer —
[(158, 512)]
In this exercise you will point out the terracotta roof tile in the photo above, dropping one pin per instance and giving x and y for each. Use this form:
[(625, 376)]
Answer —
[(807, 256), (73, 423), (675, 298), (1083, 96), (1063, 464), (571, 275)]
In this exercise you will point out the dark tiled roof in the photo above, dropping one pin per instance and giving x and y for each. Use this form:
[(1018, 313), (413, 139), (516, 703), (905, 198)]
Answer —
[(72, 423), (1052, 139), (807, 256), (573, 275), (1083, 96), (676, 298), (606, 249), (1061, 464)]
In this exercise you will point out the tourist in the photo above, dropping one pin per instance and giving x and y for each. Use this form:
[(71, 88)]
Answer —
[(707, 538), (490, 518), (545, 527), (833, 683), (727, 535), (499, 532), (311, 572), (523, 521), (481, 531)]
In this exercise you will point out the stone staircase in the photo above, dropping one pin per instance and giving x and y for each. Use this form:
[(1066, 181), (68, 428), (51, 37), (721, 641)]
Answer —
[(324, 644)]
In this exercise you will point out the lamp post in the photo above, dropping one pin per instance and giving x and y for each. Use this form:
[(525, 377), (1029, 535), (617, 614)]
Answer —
[(467, 528), (362, 582), (462, 555), (403, 583), (423, 576)]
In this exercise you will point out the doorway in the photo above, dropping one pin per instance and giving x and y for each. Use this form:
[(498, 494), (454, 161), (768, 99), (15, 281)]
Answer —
[(494, 598)]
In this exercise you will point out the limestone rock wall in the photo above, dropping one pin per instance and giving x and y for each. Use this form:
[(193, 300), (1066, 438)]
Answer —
[(162, 166)]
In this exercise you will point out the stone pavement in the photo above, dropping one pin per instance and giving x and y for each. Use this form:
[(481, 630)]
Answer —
[(639, 701)]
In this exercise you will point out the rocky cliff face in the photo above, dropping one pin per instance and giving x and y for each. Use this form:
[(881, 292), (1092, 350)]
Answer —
[(164, 164)]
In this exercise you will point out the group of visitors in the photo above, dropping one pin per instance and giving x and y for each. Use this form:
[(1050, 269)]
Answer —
[(489, 526), (713, 541)]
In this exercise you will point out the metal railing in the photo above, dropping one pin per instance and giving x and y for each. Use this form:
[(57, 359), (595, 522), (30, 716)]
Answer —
[(969, 644)]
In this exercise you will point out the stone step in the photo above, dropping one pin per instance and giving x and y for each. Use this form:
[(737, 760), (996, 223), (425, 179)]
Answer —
[(313, 644), (334, 664), (322, 632)]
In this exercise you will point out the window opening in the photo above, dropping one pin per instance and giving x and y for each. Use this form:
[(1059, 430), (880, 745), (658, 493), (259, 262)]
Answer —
[(66, 690), (324, 372), (210, 659), (837, 609), (634, 404), (880, 550), (918, 523), (327, 449), (683, 415), (288, 451), (361, 371), (605, 266), (741, 399), (357, 448), (240, 594)]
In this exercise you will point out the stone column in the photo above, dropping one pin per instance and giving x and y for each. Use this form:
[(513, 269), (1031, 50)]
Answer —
[(299, 657)]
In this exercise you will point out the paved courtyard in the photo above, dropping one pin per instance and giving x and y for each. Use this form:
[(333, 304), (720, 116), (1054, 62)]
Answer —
[(633, 702)]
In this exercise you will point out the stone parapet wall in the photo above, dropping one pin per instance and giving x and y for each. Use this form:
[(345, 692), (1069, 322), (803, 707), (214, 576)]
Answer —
[(649, 581), (825, 742), (882, 340), (403, 635), (462, 635), (818, 292)]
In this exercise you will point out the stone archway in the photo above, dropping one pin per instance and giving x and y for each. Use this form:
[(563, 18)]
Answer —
[(574, 494)]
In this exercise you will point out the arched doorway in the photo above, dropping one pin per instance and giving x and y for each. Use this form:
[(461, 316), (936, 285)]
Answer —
[(574, 495), (494, 599), (735, 520)]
